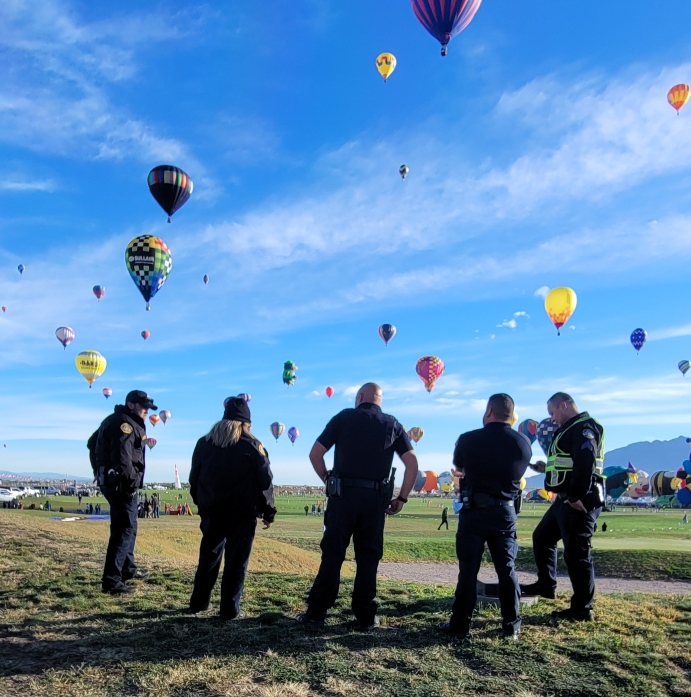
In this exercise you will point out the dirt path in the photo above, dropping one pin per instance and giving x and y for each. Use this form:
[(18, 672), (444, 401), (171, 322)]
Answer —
[(448, 573)]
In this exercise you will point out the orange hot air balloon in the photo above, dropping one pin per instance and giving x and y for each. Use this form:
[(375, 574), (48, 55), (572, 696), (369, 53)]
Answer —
[(560, 304), (329, 392), (430, 481), (154, 419), (430, 369), (678, 96)]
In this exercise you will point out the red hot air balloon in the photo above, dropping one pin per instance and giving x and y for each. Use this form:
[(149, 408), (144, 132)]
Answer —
[(154, 419), (145, 335), (329, 392), (430, 369)]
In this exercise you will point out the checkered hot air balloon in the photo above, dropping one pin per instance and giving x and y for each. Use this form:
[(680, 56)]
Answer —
[(430, 369), (444, 20), (170, 186), (638, 338), (149, 262), (545, 433)]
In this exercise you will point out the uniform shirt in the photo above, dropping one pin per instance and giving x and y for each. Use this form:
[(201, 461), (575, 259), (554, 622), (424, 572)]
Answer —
[(366, 440), (494, 459), (119, 445), (582, 442), (235, 482)]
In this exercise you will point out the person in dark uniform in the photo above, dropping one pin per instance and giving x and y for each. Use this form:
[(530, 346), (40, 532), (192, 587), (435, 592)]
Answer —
[(366, 440), (116, 451), (444, 518), (574, 472), (491, 462), (231, 484)]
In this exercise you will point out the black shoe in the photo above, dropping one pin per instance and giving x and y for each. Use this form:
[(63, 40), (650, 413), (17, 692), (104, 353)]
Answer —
[(120, 589), (139, 575), (533, 589), (448, 629), (573, 615), (304, 619), (195, 609), (230, 618), (369, 626)]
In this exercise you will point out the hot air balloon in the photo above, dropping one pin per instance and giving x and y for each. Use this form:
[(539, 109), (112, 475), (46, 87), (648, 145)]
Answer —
[(420, 480), (245, 396), (21, 268), (4, 308), (107, 392), (684, 366), (387, 332), (678, 96), (560, 304), (386, 64), (445, 481), (293, 434), (545, 433), (91, 365), (205, 279), (638, 338), (146, 334), (154, 419), (170, 186), (329, 392), (529, 429), (404, 170), (430, 369), (65, 335), (149, 262), (151, 442), (277, 429), (99, 292), (416, 433), (430, 481), (165, 415), (289, 376), (444, 20)]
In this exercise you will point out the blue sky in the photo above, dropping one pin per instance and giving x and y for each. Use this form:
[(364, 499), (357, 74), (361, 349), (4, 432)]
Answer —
[(542, 152)]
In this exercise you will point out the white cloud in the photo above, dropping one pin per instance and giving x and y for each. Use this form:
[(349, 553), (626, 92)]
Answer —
[(542, 292), (521, 313), (24, 185), (510, 323)]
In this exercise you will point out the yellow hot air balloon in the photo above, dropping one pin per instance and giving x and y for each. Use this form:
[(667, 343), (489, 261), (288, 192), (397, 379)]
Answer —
[(678, 96), (560, 304), (386, 64), (514, 419), (91, 365)]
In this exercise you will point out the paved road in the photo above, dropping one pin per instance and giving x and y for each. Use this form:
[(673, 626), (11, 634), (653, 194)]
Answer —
[(448, 573)]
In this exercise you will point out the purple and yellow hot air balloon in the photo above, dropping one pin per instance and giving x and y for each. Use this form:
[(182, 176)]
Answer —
[(277, 429), (151, 442), (430, 369), (444, 19), (170, 186)]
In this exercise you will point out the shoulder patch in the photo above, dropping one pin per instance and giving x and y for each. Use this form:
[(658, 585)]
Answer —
[(126, 428), (261, 448), (587, 433)]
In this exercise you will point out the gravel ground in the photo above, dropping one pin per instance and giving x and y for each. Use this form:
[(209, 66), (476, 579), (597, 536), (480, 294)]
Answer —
[(448, 573)]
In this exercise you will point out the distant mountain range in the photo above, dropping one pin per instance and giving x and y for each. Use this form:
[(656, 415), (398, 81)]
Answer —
[(36, 476)]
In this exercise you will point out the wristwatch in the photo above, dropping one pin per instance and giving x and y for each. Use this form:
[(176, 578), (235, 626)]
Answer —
[(401, 499)]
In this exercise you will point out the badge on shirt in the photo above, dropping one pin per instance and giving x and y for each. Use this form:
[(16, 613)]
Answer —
[(126, 428), (587, 433)]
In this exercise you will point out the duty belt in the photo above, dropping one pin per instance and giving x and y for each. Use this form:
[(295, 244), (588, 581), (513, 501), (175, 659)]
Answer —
[(361, 483)]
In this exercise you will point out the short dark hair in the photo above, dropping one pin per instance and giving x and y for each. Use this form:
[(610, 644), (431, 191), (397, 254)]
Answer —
[(502, 406), (559, 397)]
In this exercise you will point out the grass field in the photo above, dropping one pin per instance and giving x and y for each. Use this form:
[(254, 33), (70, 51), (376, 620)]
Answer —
[(60, 636)]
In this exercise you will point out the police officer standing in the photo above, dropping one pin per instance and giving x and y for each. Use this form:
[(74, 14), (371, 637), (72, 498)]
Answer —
[(360, 491), (574, 472), (491, 462), (116, 451)]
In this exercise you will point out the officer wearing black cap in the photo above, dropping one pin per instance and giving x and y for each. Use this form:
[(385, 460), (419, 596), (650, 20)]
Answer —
[(360, 492), (116, 451), (490, 462), (231, 483), (574, 472)]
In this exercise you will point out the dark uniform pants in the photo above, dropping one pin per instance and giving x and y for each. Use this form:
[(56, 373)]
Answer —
[(220, 533), (496, 526), (358, 513), (119, 565), (575, 528)]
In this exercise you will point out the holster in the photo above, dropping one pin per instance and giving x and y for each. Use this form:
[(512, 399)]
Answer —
[(387, 487), (333, 486)]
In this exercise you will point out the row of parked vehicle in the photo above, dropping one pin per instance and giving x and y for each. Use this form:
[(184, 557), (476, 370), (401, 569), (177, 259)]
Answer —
[(8, 494)]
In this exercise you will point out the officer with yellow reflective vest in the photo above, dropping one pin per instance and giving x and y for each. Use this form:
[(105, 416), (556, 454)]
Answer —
[(574, 473)]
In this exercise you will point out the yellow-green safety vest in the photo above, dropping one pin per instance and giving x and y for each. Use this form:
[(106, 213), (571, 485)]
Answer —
[(559, 462)]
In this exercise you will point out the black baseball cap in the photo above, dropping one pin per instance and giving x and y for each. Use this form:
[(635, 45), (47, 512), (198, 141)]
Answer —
[(141, 398)]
